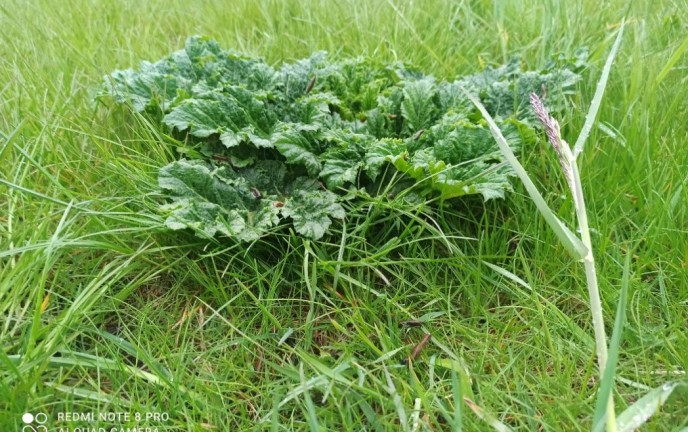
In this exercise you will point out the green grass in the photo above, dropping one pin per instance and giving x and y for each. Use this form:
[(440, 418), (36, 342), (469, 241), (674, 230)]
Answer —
[(102, 310)]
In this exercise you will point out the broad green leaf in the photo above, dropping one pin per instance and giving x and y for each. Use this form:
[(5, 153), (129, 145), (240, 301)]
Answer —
[(383, 151), (197, 179), (270, 177), (450, 98), (418, 107), (314, 108), (312, 211), (480, 82), (244, 204), (376, 123), (207, 62), (204, 218), (293, 79), (451, 181), (459, 141), (150, 86), (299, 146), (340, 167), (420, 166), (202, 62), (504, 98), (489, 180), (233, 115), (344, 157), (215, 201), (205, 117)]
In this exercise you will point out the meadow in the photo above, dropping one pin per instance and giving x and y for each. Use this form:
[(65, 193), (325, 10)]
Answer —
[(104, 311)]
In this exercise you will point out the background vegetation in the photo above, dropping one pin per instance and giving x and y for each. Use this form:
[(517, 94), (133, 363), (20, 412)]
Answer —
[(102, 310)]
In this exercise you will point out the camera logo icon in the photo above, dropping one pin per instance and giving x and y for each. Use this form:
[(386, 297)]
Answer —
[(34, 422)]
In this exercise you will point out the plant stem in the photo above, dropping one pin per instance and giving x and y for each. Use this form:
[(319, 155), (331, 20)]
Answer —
[(593, 288)]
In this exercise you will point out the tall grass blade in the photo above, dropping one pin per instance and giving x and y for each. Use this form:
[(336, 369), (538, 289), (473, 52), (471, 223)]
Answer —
[(675, 57), (509, 275), (370, 414), (486, 416), (570, 241), (396, 400), (138, 354), (607, 383), (8, 138), (637, 414), (458, 396), (97, 396), (71, 358), (311, 416), (599, 92), (33, 192)]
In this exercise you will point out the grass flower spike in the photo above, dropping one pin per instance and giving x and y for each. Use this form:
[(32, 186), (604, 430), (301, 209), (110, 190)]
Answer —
[(554, 136)]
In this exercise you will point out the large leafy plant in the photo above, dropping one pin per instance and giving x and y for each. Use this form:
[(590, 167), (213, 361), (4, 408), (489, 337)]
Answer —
[(263, 146)]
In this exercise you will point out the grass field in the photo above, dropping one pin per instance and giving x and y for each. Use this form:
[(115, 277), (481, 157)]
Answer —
[(102, 310)]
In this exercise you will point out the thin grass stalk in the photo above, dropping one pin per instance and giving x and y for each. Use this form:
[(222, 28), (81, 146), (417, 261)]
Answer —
[(581, 248), (593, 288), (567, 160), (590, 273)]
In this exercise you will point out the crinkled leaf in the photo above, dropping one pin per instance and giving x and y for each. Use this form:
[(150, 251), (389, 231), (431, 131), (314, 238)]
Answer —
[(418, 106), (233, 115), (244, 204), (376, 123), (150, 86), (201, 64), (506, 97), (344, 158), (451, 181), (214, 201), (312, 212), (383, 151), (458, 141), (479, 82), (268, 176), (451, 99), (215, 66), (208, 220), (489, 180), (420, 166), (298, 145), (314, 109), (205, 117), (293, 78), (199, 180), (340, 167)]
